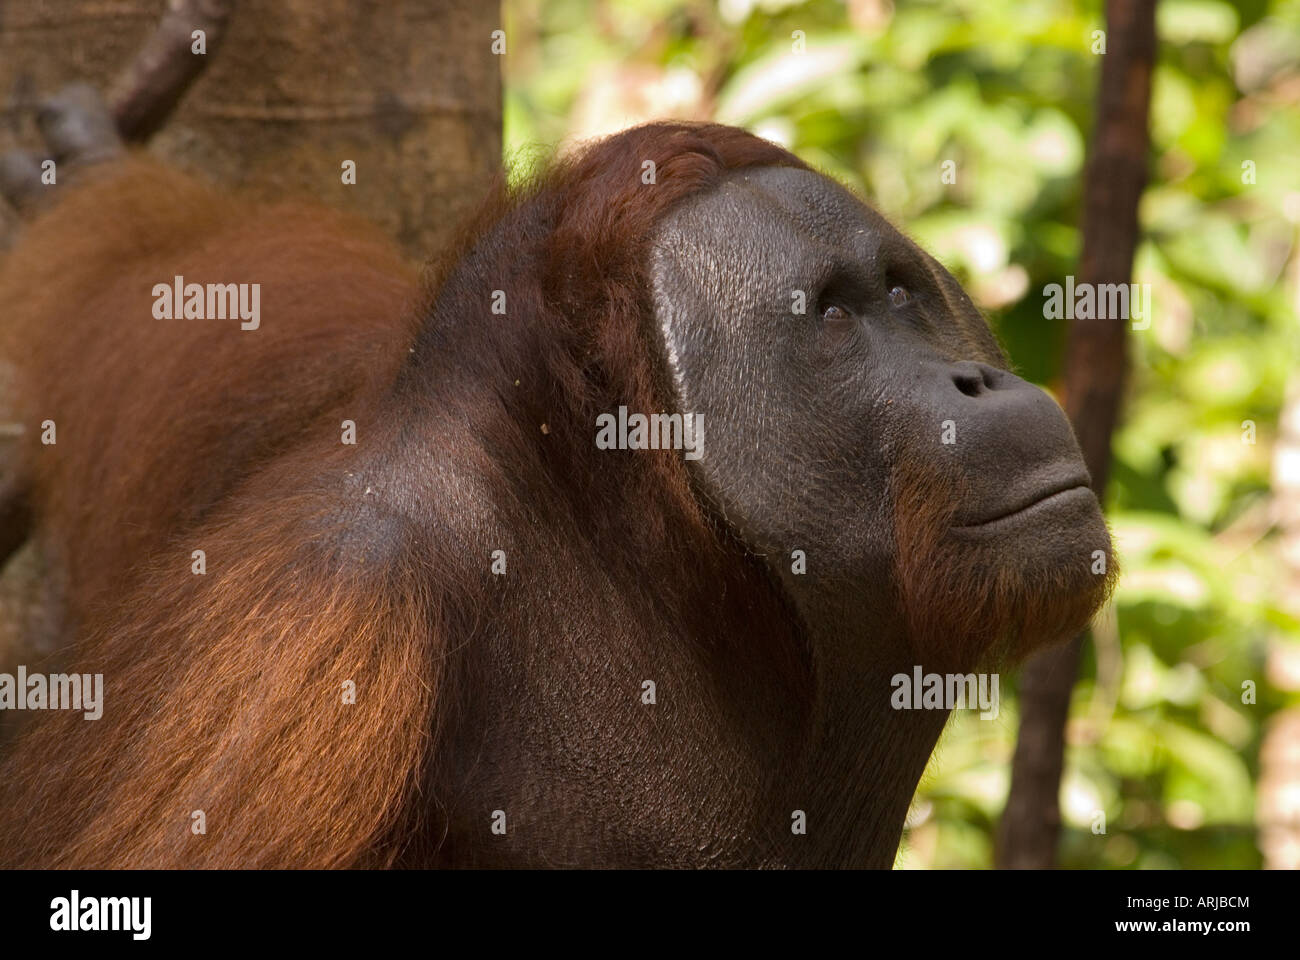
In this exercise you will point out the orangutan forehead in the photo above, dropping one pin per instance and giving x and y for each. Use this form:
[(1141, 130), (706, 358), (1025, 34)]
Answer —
[(765, 233), (816, 203), (787, 203)]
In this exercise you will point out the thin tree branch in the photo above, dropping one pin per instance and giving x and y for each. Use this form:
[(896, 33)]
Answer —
[(154, 82)]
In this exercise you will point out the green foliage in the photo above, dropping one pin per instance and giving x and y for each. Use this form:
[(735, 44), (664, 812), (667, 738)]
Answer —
[(882, 96)]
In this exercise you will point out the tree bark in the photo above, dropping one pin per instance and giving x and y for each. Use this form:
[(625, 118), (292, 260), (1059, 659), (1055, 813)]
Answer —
[(1095, 373), (408, 89)]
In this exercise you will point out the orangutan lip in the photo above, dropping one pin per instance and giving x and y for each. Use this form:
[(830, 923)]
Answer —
[(1059, 491)]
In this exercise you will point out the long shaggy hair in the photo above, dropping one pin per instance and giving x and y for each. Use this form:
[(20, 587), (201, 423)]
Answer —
[(225, 692)]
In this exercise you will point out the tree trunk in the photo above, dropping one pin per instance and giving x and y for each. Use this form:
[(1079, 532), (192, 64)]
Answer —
[(408, 89)]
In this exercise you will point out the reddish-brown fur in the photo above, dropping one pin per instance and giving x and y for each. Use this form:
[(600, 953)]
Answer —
[(960, 612), (223, 690)]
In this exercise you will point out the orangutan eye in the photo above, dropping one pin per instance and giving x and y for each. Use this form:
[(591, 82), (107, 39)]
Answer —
[(899, 296), (834, 313)]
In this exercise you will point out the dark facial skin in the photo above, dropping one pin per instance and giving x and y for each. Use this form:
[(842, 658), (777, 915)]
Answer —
[(890, 381), (807, 416)]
